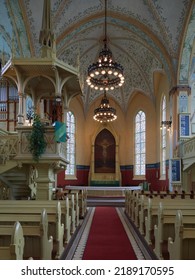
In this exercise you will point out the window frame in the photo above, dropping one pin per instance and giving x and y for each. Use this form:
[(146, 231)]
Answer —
[(71, 145), (163, 139), (139, 135)]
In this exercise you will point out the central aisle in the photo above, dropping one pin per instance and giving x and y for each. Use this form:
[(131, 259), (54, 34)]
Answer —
[(107, 238)]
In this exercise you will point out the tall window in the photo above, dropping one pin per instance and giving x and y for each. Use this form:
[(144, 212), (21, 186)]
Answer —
[(163, 138), (70, 120), (140, 143), (29, 108)]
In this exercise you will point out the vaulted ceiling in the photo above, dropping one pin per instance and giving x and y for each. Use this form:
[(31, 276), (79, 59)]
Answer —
[(144, 36)]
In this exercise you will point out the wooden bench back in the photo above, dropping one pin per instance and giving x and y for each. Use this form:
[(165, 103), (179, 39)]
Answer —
[(182, 246), (16, 248), (34, 225)]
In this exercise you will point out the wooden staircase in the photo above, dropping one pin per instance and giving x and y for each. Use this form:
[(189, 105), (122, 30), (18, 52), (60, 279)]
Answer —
[(17, 182), (20, 173), (12, 177)]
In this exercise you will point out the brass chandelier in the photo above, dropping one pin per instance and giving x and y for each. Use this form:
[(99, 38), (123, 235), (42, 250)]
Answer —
[(104, 113), (105, 74)]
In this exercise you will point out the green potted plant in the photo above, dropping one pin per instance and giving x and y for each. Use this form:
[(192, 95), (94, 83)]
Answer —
[(37, 143)]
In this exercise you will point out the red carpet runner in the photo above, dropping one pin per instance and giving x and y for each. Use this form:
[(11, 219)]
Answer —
[(107, 238)]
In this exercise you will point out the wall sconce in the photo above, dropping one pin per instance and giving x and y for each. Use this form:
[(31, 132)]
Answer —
[(166, 124)]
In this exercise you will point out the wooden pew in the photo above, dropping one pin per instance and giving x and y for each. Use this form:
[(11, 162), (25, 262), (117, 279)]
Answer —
[(82, 200), (149, 214), (138, 197), (166, 224), (149, 211), (182, 248), (137, 203), (56, 211), (50, 205), (140, 211), (35, 231), (73, 207), (73, 213), (129, 200), (16, 248), (82, 197), (139, 208), (132, 198)]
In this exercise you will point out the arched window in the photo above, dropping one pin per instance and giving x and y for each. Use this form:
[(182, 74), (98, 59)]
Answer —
[(29, 108), (163, 138), (140, 144), (70, 120)]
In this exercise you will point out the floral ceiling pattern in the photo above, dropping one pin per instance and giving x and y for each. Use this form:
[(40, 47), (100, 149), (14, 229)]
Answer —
[(144, 36)]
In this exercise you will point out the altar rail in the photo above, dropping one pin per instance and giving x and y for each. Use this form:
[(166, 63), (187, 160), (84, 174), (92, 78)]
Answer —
[(103, 191)]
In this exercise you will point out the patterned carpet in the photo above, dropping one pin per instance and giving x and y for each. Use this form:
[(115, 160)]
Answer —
[(80, 248)]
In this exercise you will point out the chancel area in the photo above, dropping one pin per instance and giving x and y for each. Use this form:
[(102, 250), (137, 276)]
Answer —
[(97, 130)]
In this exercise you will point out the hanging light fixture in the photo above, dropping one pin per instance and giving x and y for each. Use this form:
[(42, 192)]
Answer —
[(104, 113), (166, 124), (105, 74)]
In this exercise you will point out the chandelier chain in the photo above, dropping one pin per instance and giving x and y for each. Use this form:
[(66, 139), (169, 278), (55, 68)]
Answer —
[(105, 74)]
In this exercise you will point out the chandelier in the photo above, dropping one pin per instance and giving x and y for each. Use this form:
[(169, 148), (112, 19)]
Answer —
[(104, 113), (105, 74)]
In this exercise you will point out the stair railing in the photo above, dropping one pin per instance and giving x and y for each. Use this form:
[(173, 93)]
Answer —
[(8, 147)]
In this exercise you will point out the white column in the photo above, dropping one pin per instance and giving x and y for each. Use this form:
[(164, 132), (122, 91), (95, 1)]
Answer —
[(20, 109), (170, 141)]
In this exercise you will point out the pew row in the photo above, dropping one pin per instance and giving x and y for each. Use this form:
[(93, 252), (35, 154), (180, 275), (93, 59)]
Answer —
[(73, 206), (149, 210), (166, 224), (29, 212), (182, 246), (136, 202), (53, 208), (15, 250), (81, 199), (134, 199), (150, 213), (35, 232)]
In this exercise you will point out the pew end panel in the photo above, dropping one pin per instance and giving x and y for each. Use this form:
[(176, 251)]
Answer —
[(15, 250), (182, 247)]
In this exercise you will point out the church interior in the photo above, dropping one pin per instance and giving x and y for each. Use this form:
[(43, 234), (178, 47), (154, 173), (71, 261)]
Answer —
[(97, 129)]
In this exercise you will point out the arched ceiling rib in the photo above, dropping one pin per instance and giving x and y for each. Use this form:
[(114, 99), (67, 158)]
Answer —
[(144, 36)]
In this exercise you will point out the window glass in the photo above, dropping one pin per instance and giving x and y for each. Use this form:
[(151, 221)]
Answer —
[(140, 143)]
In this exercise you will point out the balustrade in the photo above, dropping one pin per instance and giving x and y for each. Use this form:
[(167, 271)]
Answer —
[(188, 152), (17, 145)]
